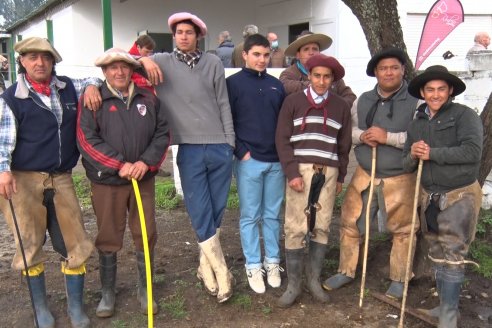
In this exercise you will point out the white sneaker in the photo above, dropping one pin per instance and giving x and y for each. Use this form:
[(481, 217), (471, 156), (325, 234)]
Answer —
[(273, 274), (255, 280)]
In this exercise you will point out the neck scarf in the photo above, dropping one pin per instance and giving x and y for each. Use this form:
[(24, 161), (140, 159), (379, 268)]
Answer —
[(301, 67), (315, 106), (190, 58), (381, 99), (40, 87)]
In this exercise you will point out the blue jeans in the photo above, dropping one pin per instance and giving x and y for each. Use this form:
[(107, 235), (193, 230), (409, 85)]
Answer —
[(206, 173), (261, 187)]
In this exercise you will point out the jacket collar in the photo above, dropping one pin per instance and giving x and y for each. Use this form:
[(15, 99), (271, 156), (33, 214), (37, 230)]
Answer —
[(23, 87), (254, 72)]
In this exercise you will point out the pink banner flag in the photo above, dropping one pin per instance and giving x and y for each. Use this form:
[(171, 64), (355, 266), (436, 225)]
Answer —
[(443, 17)]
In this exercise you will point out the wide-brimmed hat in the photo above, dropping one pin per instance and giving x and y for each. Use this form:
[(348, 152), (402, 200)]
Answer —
[(37, 44), (383, 54), (323, 40), (116, 54), (182, 16), (326, 61), (436, 72)]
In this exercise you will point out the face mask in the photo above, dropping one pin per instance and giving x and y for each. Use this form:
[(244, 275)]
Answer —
[(275, 44)]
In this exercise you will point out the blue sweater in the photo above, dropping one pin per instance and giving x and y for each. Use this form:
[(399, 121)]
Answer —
[(256, 99)]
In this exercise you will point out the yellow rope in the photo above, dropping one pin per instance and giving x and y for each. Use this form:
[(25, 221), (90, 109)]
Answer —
[(150, 315)]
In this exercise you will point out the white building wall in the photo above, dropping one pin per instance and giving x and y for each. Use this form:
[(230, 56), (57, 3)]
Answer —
[(78, 29)]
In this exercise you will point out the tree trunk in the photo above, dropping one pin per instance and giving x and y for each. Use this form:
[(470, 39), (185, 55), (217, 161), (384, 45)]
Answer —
[(486, 162), (381, 25)]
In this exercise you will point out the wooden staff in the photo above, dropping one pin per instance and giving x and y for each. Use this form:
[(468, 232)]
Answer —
[(410, 246), (368, 212)]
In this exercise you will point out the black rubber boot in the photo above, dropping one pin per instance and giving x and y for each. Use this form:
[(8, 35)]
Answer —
[(395, 290), (75, 301), (337, 281), (294, 259), (142, 283), (449, 297), (38, 286), (317, 254), (107, 274)]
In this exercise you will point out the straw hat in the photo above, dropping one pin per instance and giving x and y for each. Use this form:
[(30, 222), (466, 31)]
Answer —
[(324, 42)]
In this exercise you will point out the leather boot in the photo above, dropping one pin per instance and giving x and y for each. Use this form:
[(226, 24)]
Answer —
[(294, 259), (38, 286), (449, 297), (142, 283), (75, 300), (206, 274), (107, 274), (313, 267), (213, 251)]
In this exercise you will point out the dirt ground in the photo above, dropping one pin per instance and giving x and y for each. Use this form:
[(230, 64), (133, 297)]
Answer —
[(176, 263), (176, 284)]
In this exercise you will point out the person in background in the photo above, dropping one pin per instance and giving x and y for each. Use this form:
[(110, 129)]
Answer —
[(4, 64), (237, 53), (144, 46), (295, 77), (38, 151), (482, 42), (225, 49), (379, 119), (313, 140), (126, 139), (256, 98), (194, 96), (448, 138), (277, 56)]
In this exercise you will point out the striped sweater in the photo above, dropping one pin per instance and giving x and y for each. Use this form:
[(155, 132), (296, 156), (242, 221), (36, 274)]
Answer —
[(317, 135)]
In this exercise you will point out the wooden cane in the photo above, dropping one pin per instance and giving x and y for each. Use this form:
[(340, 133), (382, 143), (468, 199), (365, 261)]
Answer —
[(368, 212), (410, 245)]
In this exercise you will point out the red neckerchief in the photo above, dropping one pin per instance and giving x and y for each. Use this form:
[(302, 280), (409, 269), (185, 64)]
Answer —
[(40, 87), (313, 105)]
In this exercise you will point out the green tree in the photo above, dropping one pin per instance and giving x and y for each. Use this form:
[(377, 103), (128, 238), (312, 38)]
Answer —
[(12, 11)]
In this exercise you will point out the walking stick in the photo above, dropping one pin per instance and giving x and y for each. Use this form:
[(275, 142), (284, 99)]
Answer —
[(26, 268), (368, 211), (410, 247), (148, 276)]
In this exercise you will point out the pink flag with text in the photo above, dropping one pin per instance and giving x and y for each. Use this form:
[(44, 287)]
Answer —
[(443, 17)]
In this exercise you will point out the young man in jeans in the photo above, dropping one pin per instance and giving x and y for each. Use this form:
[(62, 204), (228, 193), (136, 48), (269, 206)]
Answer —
[(256, 98)]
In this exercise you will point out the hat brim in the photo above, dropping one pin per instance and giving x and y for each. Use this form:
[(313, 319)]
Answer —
[(419, 81), (324, 42), (388, 53)]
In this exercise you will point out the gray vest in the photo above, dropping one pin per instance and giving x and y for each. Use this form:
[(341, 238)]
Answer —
[(389, 160)]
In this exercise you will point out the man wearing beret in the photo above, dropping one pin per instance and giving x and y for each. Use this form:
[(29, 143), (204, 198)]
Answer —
[(194, 97), (295, 77), (313, 141), (126, 139), (379, 119), (448, 138), (38, 150)]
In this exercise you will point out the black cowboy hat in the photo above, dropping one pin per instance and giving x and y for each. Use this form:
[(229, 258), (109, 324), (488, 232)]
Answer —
[(436, 72), (383, 54)]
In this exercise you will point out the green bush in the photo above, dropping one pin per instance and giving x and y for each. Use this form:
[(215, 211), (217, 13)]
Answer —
[(481, 251)]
